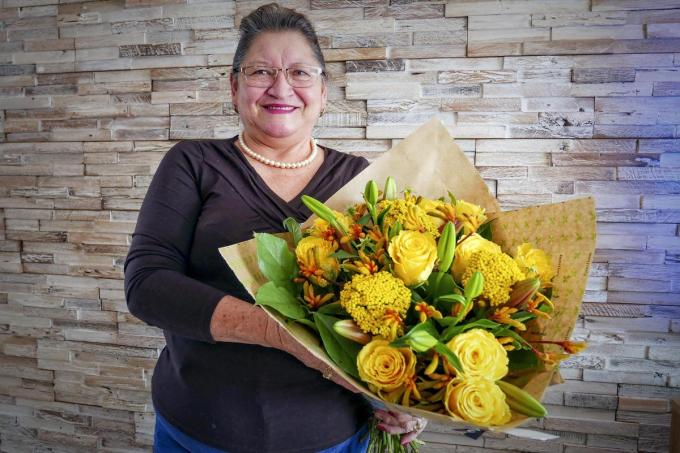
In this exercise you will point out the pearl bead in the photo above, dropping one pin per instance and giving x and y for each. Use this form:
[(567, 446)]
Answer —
[(276, 163)]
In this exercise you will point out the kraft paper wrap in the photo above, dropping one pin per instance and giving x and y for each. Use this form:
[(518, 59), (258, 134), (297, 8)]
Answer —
[(429, 162)]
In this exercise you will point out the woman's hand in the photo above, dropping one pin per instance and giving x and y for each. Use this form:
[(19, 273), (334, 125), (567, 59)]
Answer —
[(407, 425), (279, 338), (238, 321)]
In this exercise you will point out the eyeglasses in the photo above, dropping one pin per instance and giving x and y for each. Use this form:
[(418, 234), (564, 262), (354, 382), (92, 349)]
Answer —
[(298, 76)]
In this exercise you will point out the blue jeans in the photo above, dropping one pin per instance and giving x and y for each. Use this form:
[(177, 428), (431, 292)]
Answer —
[(168, 439)]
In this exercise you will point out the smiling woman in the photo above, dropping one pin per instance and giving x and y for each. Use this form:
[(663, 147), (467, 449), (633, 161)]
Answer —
[(230, 379)]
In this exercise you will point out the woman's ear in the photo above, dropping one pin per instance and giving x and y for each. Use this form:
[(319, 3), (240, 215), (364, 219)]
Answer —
[(233, 83)]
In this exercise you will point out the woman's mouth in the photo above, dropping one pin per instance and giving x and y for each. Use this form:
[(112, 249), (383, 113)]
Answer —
[(279, 109)]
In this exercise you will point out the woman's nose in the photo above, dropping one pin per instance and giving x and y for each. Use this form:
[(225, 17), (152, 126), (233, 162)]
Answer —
[(280, 87)]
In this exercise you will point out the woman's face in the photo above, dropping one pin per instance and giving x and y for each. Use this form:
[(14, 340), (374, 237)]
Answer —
[(280, 110)]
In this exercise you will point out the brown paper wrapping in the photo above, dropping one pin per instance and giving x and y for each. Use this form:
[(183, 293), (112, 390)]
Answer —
[(429, 162)]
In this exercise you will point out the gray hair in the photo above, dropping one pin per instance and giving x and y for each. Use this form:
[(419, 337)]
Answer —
[(275, 18)]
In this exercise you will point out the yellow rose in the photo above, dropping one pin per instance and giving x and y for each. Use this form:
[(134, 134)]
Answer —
[(477, 400), (471, 216), (480, 354), (413, 254), (314, 258), (322, 228), (466, 249), (385, 368), (535, 263)]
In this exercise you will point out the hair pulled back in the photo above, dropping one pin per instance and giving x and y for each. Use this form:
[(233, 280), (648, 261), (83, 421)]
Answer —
[(275, 18)]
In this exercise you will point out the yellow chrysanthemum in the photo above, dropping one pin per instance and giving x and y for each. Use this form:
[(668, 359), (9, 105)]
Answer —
[(500, 272), (373, 300), (410, 215), (535, 263)]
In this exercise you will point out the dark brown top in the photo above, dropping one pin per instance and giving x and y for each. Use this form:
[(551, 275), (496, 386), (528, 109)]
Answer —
[(237, 397)]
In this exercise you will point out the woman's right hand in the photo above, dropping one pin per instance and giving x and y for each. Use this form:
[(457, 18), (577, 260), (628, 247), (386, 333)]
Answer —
[(279, 338), (238, 321)]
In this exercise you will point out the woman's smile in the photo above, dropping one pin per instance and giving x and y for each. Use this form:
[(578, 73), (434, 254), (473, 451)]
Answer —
[(279, 109)]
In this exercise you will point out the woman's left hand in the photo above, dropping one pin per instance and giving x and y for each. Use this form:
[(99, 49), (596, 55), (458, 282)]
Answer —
[(400, 423)]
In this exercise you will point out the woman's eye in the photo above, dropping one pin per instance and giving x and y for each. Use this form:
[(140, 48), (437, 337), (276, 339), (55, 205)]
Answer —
[(300, 73)]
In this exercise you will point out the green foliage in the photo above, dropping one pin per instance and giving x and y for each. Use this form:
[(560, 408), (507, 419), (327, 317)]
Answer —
[(341, 350), (275, 260), (281, 300), (293, 227)]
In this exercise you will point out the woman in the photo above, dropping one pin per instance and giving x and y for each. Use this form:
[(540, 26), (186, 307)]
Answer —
[(230, 379)]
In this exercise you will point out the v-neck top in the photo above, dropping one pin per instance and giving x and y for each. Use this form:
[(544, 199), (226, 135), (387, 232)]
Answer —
[(237, 397)]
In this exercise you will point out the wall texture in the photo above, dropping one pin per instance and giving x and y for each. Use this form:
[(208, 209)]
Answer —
[(551, 99)]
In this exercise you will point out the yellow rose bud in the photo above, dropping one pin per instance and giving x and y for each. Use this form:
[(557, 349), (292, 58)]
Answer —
[(413, 254), (477, 400), (385, 368), (535, 263), (466, 249), (480, 354)]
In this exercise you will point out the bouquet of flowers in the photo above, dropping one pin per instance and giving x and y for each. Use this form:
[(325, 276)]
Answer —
[(430, 304)]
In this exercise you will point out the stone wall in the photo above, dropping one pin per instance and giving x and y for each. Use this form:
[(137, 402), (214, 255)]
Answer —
[(551, 99)]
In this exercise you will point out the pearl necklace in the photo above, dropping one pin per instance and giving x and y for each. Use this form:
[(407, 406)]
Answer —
[(277, 163)]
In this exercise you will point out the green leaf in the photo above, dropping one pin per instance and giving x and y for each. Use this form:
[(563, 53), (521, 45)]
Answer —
[(333, 309), (446, 303), (452, 331), (450, 356), (281, 300), (440, 288), (308, 323), (485, 231), (426, 326), (522, 359), (364, 219), (343, 255), (523, 316), (275, 260), (381, 216), (293, 227), (505, 331), (342, 351)]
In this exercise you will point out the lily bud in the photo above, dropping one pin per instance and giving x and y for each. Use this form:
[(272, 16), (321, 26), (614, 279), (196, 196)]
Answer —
[(371, 193), (347, 328), (474, 286), (421, 341), (446, 248), (323, 212), (390, 192), (523, 291)]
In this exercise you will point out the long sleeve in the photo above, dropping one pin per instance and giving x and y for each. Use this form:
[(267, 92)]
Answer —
[(158, 288)]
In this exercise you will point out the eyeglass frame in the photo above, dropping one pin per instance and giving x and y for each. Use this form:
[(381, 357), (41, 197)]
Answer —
[(319, 73)]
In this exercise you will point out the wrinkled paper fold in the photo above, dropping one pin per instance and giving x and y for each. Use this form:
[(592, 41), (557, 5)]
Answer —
[(430, 163)]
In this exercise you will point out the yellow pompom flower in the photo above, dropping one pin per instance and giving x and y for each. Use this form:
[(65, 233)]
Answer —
[(466, 249), (385, 368), (372, 300), (469, 215), (480, 354), (535, 263), (413, 255), (477, 400), (500, 272), (409, 214)]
